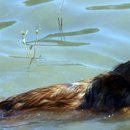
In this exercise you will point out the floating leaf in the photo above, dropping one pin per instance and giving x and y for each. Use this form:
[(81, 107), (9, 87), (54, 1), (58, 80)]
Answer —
[(75, 33), (6, 24), (62, 42), (110, 7), (35, 2)]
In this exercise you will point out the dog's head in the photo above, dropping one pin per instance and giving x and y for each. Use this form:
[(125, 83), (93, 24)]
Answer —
[(108, 92), (123, 70)]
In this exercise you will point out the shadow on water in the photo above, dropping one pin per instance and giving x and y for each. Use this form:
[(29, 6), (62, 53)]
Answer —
[(110, 7), (35, 2), (6, 24), (62, 35)]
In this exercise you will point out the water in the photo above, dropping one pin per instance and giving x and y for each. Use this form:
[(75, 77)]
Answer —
[(96, 37)]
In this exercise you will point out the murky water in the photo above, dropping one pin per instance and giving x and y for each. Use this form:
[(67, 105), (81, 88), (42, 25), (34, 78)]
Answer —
[(92, 37)]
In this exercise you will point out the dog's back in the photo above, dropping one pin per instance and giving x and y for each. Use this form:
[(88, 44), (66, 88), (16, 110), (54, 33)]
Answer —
[(58, 97)]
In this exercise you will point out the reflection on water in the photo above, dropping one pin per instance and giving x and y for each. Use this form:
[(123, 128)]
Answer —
[(60, 43), (6, 24), (35, 2), (110, 7), (49, 117), (64, 121)]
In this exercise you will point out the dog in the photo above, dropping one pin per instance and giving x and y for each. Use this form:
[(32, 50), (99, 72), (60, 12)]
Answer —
[(109, 92)]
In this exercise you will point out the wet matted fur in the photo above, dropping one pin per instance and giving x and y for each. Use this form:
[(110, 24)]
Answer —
[(106, 92)]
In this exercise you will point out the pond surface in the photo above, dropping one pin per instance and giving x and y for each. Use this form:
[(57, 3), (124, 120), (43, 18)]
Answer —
[(76, 39)]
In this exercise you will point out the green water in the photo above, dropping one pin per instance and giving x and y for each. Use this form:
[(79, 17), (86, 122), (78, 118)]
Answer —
[(93, 38)]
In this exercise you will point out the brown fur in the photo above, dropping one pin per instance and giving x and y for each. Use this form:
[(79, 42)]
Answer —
[(58, 97), (106, 92)]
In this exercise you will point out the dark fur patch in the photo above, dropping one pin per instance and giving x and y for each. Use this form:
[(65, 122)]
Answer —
[(123, 70), (108, 92), (6, 105)]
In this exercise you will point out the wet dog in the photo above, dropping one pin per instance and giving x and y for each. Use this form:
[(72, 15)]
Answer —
[(108, 92)]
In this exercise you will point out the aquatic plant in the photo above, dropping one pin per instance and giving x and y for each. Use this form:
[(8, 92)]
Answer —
[(60, 19), (30, 48)]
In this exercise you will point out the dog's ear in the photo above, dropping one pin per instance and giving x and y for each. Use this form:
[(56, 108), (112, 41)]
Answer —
[(108, 92), (123, 70)]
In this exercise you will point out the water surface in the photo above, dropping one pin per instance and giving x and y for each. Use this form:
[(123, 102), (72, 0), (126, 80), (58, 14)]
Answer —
[(93, 37)]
